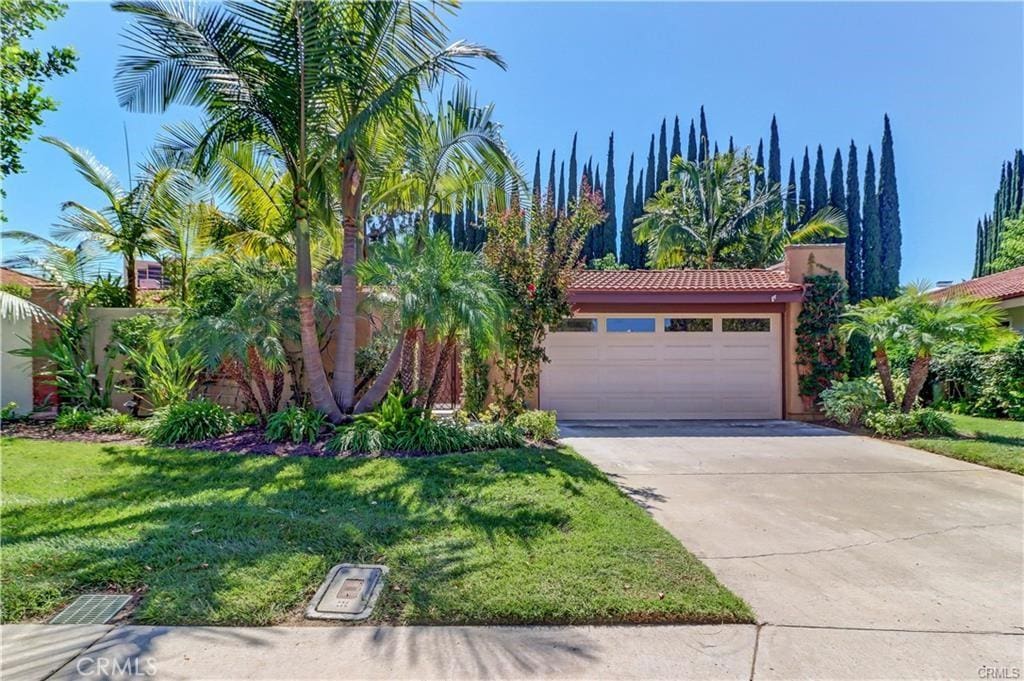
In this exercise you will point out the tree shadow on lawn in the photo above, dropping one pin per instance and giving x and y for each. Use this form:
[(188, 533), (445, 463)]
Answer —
[(993, 438), (228, 539)]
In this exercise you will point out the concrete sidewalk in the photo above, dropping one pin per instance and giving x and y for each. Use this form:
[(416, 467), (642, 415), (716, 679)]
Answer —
[(658, 652)]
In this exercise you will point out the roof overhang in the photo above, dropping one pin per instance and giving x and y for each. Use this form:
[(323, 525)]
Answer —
[(683, 297)]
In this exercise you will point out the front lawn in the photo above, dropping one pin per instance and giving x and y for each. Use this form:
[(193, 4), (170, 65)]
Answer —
[(995, 443), (511, 536)]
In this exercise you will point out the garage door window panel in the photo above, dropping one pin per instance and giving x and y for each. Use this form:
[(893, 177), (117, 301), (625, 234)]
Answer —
[(689, 324), (746, 325), (630, 325), (576, 325)]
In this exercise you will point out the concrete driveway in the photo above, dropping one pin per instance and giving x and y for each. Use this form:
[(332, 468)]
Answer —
[(852, 551)]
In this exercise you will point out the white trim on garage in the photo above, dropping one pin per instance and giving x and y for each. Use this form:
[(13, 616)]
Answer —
[(661, 374)]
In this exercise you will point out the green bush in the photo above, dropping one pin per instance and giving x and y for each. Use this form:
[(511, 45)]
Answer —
[(895, 424), (296, 424), (19, 290), (190, 421), (140, 427), (245, 419), (424, 435), (9, 412), (537, 424), (74, 418), (983, 383), (110, 421), (494, 436), (846, 402)]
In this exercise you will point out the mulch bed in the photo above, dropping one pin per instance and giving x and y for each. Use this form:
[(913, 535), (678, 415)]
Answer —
[(251, 441), (44, 430)]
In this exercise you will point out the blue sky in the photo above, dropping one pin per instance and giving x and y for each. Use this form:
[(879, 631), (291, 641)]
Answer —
[(950, 76)]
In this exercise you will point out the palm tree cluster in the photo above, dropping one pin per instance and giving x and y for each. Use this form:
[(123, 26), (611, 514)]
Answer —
[(319, 118)]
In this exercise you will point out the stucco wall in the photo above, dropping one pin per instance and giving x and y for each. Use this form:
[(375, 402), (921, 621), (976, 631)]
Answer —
[(15, 372), (1015, 312), (800, 262)]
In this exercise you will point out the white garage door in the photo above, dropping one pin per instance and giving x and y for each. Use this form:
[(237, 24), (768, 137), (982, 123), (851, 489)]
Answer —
[(665, 366)]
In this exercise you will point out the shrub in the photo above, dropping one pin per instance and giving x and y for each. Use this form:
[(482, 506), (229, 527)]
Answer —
[(140, 427), (537, 424), (846, 402), (110, 421), (896, 424), (296, 424), (164, 372), (357, 436), (494, 436), (190, 421), (74, 418), (424, 435), (9, 412), (983, 384), (245, 419)]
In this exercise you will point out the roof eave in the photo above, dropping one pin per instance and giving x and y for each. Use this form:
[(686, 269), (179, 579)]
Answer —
[(673, 297)]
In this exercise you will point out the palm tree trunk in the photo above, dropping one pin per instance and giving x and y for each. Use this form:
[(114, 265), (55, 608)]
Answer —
[(408, 371), (376, 392), (885, 373), (918, 375), (260, 377), (429, 355), (131, 284), (312, 361), (447, 354), (344, 383)]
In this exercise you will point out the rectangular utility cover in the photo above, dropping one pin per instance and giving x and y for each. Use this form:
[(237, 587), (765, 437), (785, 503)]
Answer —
[(348, 593), (91, 609)]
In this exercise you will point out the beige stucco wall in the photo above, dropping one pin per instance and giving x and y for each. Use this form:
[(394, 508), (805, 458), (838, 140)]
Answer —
[(15, 372), (800, 262), (1015, 312)]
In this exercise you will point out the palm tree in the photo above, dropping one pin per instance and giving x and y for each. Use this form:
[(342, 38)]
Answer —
[(126, 222), (69, 267), (877, 320), (931, 323), (768, 236), (309, 82), (700, 211)]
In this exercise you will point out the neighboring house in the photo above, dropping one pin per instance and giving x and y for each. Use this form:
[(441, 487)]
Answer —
[(683, 344), (1006, 288), (149, 275)]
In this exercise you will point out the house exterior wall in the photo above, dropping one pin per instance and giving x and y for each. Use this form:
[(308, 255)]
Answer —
[(15, 371), (1015, 313)]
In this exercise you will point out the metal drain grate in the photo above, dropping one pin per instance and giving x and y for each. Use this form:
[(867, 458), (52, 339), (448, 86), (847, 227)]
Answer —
[(91, 609)]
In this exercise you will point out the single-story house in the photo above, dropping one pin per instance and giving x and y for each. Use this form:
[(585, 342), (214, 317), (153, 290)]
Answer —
[(1005, 288), (683, 344)]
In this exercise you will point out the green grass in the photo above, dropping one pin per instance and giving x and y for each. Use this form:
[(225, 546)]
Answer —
[(512, 536), (995, 443)]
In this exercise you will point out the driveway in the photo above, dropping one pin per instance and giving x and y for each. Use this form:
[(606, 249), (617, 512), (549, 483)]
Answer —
[(836, 540)]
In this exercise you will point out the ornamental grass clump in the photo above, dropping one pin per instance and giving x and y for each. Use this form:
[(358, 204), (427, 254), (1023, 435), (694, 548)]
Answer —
[(189, 422)]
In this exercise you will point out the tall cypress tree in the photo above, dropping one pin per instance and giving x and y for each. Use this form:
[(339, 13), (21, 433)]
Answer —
[(837, 188), (639, 250), (791, 205), (854, 239), (732, 147), (571, 198), (872, 232), (889, 216), (677, 142), (627, 247), (820, 198), (651, 186), (774, 157), (691, 144), (596, 233), (550, 197), (805, 189), (662, 156), (704, 144), (561, 189), (536, 181), (759, 162), (611, 228), (978, 259)]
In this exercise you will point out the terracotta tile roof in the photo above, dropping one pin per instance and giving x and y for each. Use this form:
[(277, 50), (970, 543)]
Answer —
[(1000, 286), (708, 281), (10, 276)]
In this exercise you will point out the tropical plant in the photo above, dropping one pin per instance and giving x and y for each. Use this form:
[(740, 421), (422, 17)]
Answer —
[(877, 320), (16, 307), (296, 424), (126, 221), (164, 371), (293, 77), (701, 212), (75, 418), (534, 258), (110, 421), (71, 268), (189, 422), (896, 424), (932, 323), (768, 235), (847, 402)]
